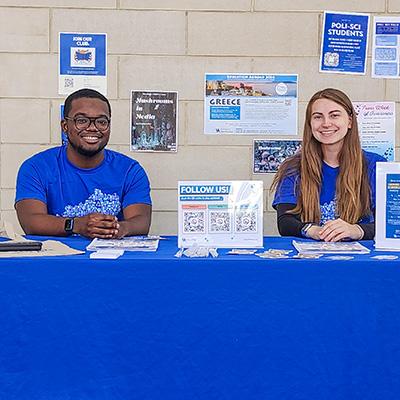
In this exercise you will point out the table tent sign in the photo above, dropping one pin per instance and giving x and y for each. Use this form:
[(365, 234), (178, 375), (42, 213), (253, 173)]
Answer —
[(221, 214), (387, 206), (82, 62)]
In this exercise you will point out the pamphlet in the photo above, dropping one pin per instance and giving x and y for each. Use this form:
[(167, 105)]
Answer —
[(330, 247), (132, 243)]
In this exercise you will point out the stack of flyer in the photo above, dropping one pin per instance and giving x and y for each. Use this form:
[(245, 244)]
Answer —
[(132, 243), (330, 247)]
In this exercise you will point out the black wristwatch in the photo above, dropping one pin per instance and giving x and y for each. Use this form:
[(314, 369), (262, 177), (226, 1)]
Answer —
[(69, 226)]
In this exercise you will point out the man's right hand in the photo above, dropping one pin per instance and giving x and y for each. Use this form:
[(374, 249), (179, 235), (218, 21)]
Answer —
[(96, 225)]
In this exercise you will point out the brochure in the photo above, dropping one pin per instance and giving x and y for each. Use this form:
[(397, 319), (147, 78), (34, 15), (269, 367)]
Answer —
[(132, 243), (330, 247)]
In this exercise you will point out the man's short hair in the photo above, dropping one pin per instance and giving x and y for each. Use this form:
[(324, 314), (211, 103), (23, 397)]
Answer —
[(84, 93)]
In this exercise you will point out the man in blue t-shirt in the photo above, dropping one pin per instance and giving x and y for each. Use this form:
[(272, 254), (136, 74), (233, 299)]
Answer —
[(82, 187)]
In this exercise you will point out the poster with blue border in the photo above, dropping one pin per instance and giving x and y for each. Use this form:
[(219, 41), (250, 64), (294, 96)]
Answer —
[(344, 43), (250, 104), (82, 62), (386, 47)]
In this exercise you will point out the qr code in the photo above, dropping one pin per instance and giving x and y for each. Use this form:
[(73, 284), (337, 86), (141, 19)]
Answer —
[(220, 221), (246, 221), (194, 222), (69, 82)]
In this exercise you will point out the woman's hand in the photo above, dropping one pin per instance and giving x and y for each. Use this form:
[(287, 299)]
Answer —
[(337, 229), (314, 232)]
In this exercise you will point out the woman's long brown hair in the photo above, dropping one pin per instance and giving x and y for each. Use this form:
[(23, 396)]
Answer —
[(352, 185)]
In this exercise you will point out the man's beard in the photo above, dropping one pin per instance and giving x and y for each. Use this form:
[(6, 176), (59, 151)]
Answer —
[(85, 152)]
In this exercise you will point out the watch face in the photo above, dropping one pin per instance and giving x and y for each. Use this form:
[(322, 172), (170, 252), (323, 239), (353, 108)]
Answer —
[(69, 225)]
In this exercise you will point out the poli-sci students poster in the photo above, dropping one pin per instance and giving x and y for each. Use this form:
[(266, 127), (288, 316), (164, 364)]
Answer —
[(344, 43), (377, 127), (82, 62), (250, 104), (154, 121), (386, 47)]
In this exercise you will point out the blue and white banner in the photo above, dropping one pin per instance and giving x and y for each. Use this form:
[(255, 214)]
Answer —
[(250, 104), (82, 62), (344, 43), (387, 206)]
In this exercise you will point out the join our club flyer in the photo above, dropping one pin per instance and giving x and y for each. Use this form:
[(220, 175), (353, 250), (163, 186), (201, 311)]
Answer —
[(220, 213), (82, 62)]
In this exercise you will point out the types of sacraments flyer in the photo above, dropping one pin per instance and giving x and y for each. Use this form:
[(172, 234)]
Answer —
[(220, 213), (154, 124), (82, 62), (386, 47), (377, 124), (344, 43), (250, 104)]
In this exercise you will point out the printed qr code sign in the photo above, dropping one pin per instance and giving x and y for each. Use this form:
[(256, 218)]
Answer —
[(246, 221), (194, 222), (220, 221), (69, 82)]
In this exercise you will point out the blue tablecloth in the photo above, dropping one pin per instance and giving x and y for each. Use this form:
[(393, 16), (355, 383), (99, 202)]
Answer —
[(151, 326)]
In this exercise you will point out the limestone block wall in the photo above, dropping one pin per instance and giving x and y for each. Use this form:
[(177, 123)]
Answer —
[(165, 45)]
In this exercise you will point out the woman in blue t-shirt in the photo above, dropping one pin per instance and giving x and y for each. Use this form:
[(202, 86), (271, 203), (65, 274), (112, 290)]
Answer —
[(327, 190)]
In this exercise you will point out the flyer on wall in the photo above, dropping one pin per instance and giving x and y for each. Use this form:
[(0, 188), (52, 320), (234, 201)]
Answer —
[(82, 62), (154, 121), (377, 127), (386, 47), (250, 104), (387, 206), (220, 213), (268, 155), (344, 43)]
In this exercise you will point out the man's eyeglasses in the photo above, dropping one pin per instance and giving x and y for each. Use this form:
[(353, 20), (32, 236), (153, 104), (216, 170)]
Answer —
[(82, 123)]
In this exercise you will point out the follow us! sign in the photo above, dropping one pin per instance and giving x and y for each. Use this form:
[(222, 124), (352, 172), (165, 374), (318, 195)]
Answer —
[(82, 62), (220, 213)]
